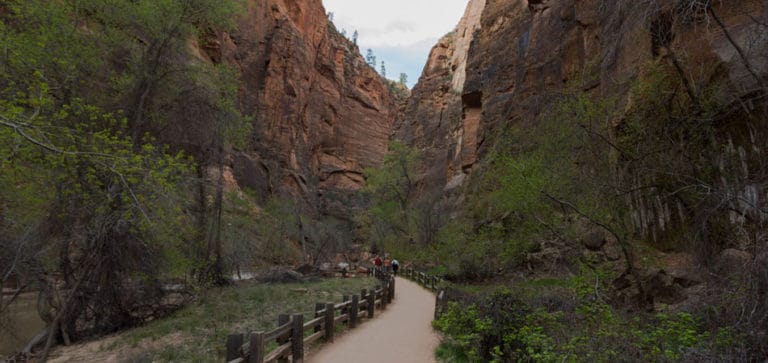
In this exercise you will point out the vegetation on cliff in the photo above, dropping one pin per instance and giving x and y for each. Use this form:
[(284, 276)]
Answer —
[(95, 211), (638, 205)]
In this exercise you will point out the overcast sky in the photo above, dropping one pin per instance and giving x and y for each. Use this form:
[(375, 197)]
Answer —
[(400, 32)]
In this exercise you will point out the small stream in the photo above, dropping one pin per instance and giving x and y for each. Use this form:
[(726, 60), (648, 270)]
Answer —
[(24, 323)]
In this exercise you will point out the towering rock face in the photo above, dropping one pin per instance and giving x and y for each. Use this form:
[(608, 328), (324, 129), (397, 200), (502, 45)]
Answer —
[(321, 114), (509, 59), (434, 120)]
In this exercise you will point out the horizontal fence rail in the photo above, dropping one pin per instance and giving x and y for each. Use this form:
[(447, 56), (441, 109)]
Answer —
[(293, 333), (432, 282)]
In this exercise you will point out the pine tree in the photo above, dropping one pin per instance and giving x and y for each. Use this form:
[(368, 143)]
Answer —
[(403, 78), (370, 58), (383, 70), (354, 37)]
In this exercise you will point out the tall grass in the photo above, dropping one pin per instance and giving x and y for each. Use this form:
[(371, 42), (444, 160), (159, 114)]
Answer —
[(198, 332)]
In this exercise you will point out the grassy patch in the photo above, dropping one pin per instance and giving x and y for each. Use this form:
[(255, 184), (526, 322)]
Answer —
[(198, 332)]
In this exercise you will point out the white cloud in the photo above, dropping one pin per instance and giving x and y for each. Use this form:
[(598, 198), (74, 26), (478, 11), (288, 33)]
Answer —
[(400, 32)]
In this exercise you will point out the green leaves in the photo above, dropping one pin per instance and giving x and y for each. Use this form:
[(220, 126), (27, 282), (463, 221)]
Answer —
[(66, 147), (389, 188), (670, 336), (464, 327)]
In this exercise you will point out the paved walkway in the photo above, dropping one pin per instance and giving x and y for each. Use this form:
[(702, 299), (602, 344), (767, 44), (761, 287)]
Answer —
[(402, 333)]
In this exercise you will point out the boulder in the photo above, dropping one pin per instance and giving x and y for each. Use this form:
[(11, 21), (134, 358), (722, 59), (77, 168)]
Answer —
[(732, 261), (305, 269), (594, 241), (662, 288), (277, 275)]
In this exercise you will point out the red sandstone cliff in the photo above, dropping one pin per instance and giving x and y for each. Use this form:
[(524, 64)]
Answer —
[(434, 120), (508, 59), (321, 114)]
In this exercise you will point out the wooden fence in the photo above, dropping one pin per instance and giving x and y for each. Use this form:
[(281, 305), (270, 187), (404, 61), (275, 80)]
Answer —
[(432, 282), (293, 333)]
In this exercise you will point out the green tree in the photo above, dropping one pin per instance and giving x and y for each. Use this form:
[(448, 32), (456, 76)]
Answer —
[(158, 91), (370, 59), (403, 79), (81, 84), (390, 187)]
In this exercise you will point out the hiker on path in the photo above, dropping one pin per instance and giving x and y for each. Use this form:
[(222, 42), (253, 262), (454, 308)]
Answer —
[(395, 266)]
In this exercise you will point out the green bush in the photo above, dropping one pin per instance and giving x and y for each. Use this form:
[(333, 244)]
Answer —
[(517, 325), (668, 337), (464, 328)]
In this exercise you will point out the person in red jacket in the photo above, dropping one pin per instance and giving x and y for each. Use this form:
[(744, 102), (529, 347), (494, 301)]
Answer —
[(377, 261)]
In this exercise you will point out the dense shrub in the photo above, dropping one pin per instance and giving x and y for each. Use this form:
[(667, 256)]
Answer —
[(502, 328)]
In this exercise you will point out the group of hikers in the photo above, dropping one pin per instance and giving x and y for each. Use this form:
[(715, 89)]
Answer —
[(389, 265)]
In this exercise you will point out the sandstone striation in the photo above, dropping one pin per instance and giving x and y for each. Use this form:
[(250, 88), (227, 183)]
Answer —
[(508, 60), (321, 115), (434, 120)]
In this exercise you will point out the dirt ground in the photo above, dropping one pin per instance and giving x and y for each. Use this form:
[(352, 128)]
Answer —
[(103, 350), (402, 333)]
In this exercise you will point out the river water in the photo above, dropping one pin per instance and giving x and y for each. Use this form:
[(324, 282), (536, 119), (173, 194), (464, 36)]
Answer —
[(21, 325)]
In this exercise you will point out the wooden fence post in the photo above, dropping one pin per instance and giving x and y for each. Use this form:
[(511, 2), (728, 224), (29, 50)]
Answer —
[(364, 295), (345, 309), (329, 315), (353, 311), (371, 303), (297, 338), (318, 307), (234, 344), (257, 348), (391, 289), (282, 319), (384, 289), (439, 304)]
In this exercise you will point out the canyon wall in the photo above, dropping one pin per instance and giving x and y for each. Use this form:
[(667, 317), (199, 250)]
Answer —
[(321, 114), (508, 61)]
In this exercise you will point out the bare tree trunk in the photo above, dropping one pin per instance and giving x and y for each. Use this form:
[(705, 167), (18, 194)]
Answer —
[(202, 216), (54, 327), (218, 268), (686, 83)]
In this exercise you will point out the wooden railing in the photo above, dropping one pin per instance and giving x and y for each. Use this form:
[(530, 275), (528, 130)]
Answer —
[(379, 272), (293, 333), (432, 282)]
